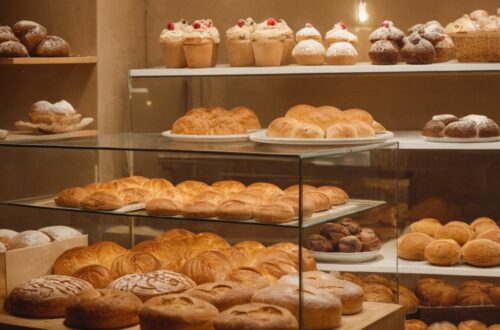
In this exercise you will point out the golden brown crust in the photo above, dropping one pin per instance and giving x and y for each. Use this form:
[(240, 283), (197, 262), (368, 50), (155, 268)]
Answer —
[(163, 207), (300, 112), (273, 213), (157, 185), (283, 127), (71, 197), (411, 246), (458, 231), (209, 266), (320, 200), (443, 252), (472, 325), (336, 195), (248, 276), (483, 224), (265, 188), (415, 325), (74, 259), (427, 226), (358, 114), (97, 275), (292, 250), (102, 201), (246, 116), (164, 252), (107, 251), (191, 125), (134, 195), (341, 131), (275, 264), (293, 201), (228, 187), (133, 262), (482, 253), (433, 292), (226, 125), (223, 294), (492, 235), (192, 187), (443, 325), (235, 210)]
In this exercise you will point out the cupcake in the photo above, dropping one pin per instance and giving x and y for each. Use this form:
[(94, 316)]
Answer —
[(388, 32), (171, 40), (268, 43), (444, 48), (433, 32), (308, 32), (239, 43), (339, 33), (200, 45), (418, 50), (288, 44), (384, 52), (214, 34), (341, 53), (309, 52)]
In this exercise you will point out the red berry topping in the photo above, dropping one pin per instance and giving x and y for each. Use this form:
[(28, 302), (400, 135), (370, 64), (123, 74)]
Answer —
[(170, 26), (386, 24), (343, 26), (196, 25), (241, 23), (271, 21), (209, 23), (309, 25)]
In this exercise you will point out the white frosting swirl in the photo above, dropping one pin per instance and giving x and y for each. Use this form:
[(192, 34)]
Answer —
[(308, 32), (341, 48), (63, 108), (308, 47)]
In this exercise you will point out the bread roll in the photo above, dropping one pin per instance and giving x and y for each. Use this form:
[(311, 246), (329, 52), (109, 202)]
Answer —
[(191, 125), (164, 252), (295, 188), (6, 235), (378, 127), (157, 185), (443, 325), (408, 299), (26, 239), (29, 33), (222, 294), (208, 266), (320, 310), (174, 195), (59, 233), (6, 34), (163, 207), (350, 244), (53, 46), (300, 112), (273, 213), (494, 327), (483, 224), (152, 284), (178, 312), (246, 116), (107, 251), (369, 239), (74, 259), (377, 279), (363, 129), (492, 235), (415, 325), (292, 250), (472, 325), (228, 187), (208, 241), (248, 276), (97, 275), (341, 131), (265, 188), (134, 195), (474, 296), (175, 235), (309, 131), (352, 278), (411, 246), (481, 285), (358, 114), (192, 187), (336, 195), (283, 127), (133, 262), (324, 117), (495, 295), (44, 297), (443, 252), (251, 247), (234, 210), (426, 225), (252, 197), (102, 201), (71, 197), (482, 253), (458, 231), (275, 264), (436, 293), (334, 232), (321, 200)]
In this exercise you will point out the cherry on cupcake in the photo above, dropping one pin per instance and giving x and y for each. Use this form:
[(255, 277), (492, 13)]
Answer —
[(196, 25), (170, 26), (386, 23), (271, 21), (241, 23), (343, 25)]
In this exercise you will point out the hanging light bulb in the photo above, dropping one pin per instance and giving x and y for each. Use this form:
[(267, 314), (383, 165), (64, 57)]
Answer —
[(362, 12)]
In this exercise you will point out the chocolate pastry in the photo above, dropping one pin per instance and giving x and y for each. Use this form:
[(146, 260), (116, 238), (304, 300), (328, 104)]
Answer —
[(319, 243), (334, 232), (350, 244), (6, 34), (488, 128), (29, 33), (384, 52), (353, 227), (434, 128), (52, 46), (445, 118), (418, 50), (12, 49), (369, 240), (461, 129)]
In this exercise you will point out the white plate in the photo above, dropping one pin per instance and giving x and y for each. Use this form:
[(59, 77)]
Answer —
[(462, 140), (342, 257), (261, 136), (205, 138)]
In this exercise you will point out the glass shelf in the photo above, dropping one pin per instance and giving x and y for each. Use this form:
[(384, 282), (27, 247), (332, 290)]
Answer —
[(158, 143)]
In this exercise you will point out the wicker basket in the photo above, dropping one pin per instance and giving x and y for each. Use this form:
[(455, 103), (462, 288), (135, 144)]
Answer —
[(477, 46)]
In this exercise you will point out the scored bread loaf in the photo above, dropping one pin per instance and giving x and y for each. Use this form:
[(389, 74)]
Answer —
[(97, 275), (107, 251), (164, 252), (208, 266), (222, 294), (74, 259), (131, 262), (248, 276), (443, 252)]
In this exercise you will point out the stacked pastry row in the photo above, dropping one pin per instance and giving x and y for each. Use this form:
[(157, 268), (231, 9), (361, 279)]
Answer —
[(470, 126), (216, 121), (11, 240), (345, 236), (229, 199), (27, 38), (478, 244), (308, 122), (445, 325)]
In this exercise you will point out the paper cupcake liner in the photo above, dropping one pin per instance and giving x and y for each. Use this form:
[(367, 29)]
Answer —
[(268, 52), (342, 60), (215, 52), (173, 55), (240, 53), (286, 57), (310, 59), (199, 55)]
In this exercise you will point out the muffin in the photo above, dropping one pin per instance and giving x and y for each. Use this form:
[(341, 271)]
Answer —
[(309, 52), (268, 43), (339, 33), (418, 50), (341, 53), (239, 43), (388, 32), (308, 32), (444, 49), (384, 52), (200, 44), (172, 40), (288, 44)]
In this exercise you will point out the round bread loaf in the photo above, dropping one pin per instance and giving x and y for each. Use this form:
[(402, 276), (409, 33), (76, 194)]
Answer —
[(283, 127), (6, 235), (52, 46), (320, 310), (458, 231), (6, 34), (208, 266), (223, 294), (102, 201), (72, 197), (273, 213), (492, 235), (12, 49), (248, 276), (443, 252), (461, 129), (102, 309), (192, 187), (97, 275), (474, 296), (426, 225), (178, 312), (74, 259), (175, 235), (265, 188), (411, 246), (483, 224), (29, 33), (133, 262), (59, 233), (246, 116), (191, 125), (157, 185), (107, 251), (275, 264), (164, 252), (251, 247), (44, 297), (292, 250), (207, 241), (472, 325), (26, 239), (482, 253), (415, 325), (228, 187), (300, 112), (443, 325), (227, 125), (336, 195), (152, 284)]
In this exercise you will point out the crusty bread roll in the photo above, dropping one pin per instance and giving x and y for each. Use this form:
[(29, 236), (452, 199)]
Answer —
[(309, 131), (157, 185), (443, 252), (29, 33), (341, 131), (102, 201), (74, 259), (352, 278), (227, 125), (253, 197), (273, 213), (336, 195), (133, 181), (134, 195), (275, 264), (474, 296), (60, 233), (265, 188), (52, 46), (458, 231), (12, 49), (320, 310), (6, 235), (251, 247), (199, 210), (152, 284), (223, 294), (411, 246), (295, 188), (164, 252), (483, 224), (191, 125), (482, 253), (426, 225), (472, 325), (71, 197), (408, 299), (363, 129), (6, 34), (283, 127), (175, 235), (256, 316), (246, 116), (208, 241), (358, 114), (293, 201), (492, 235), (300, 112), (234, 210), (208, 266), (44, 297), (320, 200), (97, 275), (228, 187), (26, 239), (292, 250), (133, 262), (443, 325), (324, 116), (102, 309), (415, 325), (434, 292), (248, 276), (163, 207), (192, 187), (178, 311), (107, 251), (495, 295)]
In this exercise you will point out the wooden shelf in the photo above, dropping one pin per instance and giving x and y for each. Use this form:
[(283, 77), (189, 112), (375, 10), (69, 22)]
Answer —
[(375, 316), (48, 60)]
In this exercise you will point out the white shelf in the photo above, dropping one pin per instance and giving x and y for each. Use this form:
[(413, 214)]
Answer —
[(364, 67), (413, 140), (423, 267), (385, 263)]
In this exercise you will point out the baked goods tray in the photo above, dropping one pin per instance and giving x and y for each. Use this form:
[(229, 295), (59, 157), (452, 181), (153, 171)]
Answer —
[(261, 137), (423, 267), (351, 207)]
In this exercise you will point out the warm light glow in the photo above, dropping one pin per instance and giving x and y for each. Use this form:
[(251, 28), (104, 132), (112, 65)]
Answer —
[(362, 12)]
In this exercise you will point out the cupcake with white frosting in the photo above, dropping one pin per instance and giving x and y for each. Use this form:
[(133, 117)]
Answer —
[(171, 40), (268, 43), (288, 43), (309, 50), (308, 32), (338, 33), (239, 43), (341, 53), (201, 42)]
